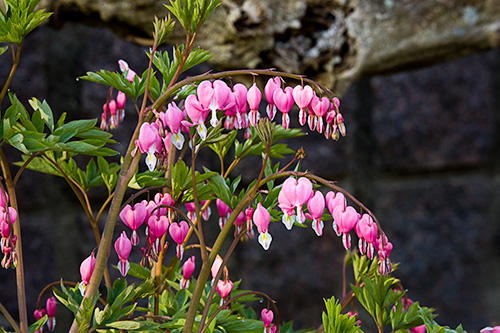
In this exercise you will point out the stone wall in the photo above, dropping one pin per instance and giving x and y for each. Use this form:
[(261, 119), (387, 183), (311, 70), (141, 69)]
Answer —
[(422, 152)]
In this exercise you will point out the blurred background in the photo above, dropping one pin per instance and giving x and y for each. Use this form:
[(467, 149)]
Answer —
[(422, 151)]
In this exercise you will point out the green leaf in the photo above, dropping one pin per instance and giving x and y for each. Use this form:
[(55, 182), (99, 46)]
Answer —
[(148, 179), (169, 303), (197, 56), (2, 51), (45, 112), (128, 325), (334, 321), (100, 317), (38, 324), (181, 177), (17, 142), (116, 80), (19, 107), (139, 271), (220, 188), (41, 165)]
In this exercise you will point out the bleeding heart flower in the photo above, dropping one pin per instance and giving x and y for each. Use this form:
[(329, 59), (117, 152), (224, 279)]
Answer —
[(150, 142), (224, 212), (253, 97), (173, 118), (224, 288), (240, 93), (134, 218), (320, 107), (187, 271), (86, 269), (284, 102), (316, 207), (267, 317), (123, 246), (51, 306), (302, 96), (297, 193), (271, 85), (261, 218), (178, 232)]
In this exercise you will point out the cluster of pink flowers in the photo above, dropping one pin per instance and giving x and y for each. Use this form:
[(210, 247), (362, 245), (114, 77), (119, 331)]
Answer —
[(8, 215), (113, 111), (295, 193), (158, 219), (50, 311), (240, 107)]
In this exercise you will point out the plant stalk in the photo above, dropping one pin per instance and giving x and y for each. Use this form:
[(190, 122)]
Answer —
[(21, 289), (15, 63)]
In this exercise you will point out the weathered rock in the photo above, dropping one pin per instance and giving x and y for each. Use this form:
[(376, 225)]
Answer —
[(334, 41)]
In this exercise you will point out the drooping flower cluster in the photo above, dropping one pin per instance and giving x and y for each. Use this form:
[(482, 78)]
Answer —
[(297, 193), (240, 107), (113, 111), (8, 216), (158, 217)]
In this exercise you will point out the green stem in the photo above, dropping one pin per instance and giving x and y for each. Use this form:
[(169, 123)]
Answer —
[(216, 280), (126, 173), (207, 265), (21, 290), (9, 318), (15, 63)]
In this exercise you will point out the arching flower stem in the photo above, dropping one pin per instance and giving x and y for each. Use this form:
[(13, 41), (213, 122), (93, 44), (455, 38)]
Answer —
[(267, 72)]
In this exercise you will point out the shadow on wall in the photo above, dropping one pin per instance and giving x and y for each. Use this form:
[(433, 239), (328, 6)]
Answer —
[(422, 152)]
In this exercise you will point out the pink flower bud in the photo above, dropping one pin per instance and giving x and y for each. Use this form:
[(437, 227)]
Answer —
[(123, 246), (187, 271), (51, 306), (216, 266), (271, 86), (86, 269), (316, 207)]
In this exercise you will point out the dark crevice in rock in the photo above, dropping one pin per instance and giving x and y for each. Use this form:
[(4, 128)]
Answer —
[(321, 43)]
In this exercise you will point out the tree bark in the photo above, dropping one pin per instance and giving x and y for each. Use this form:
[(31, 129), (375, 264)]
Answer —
[(332, 41)]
